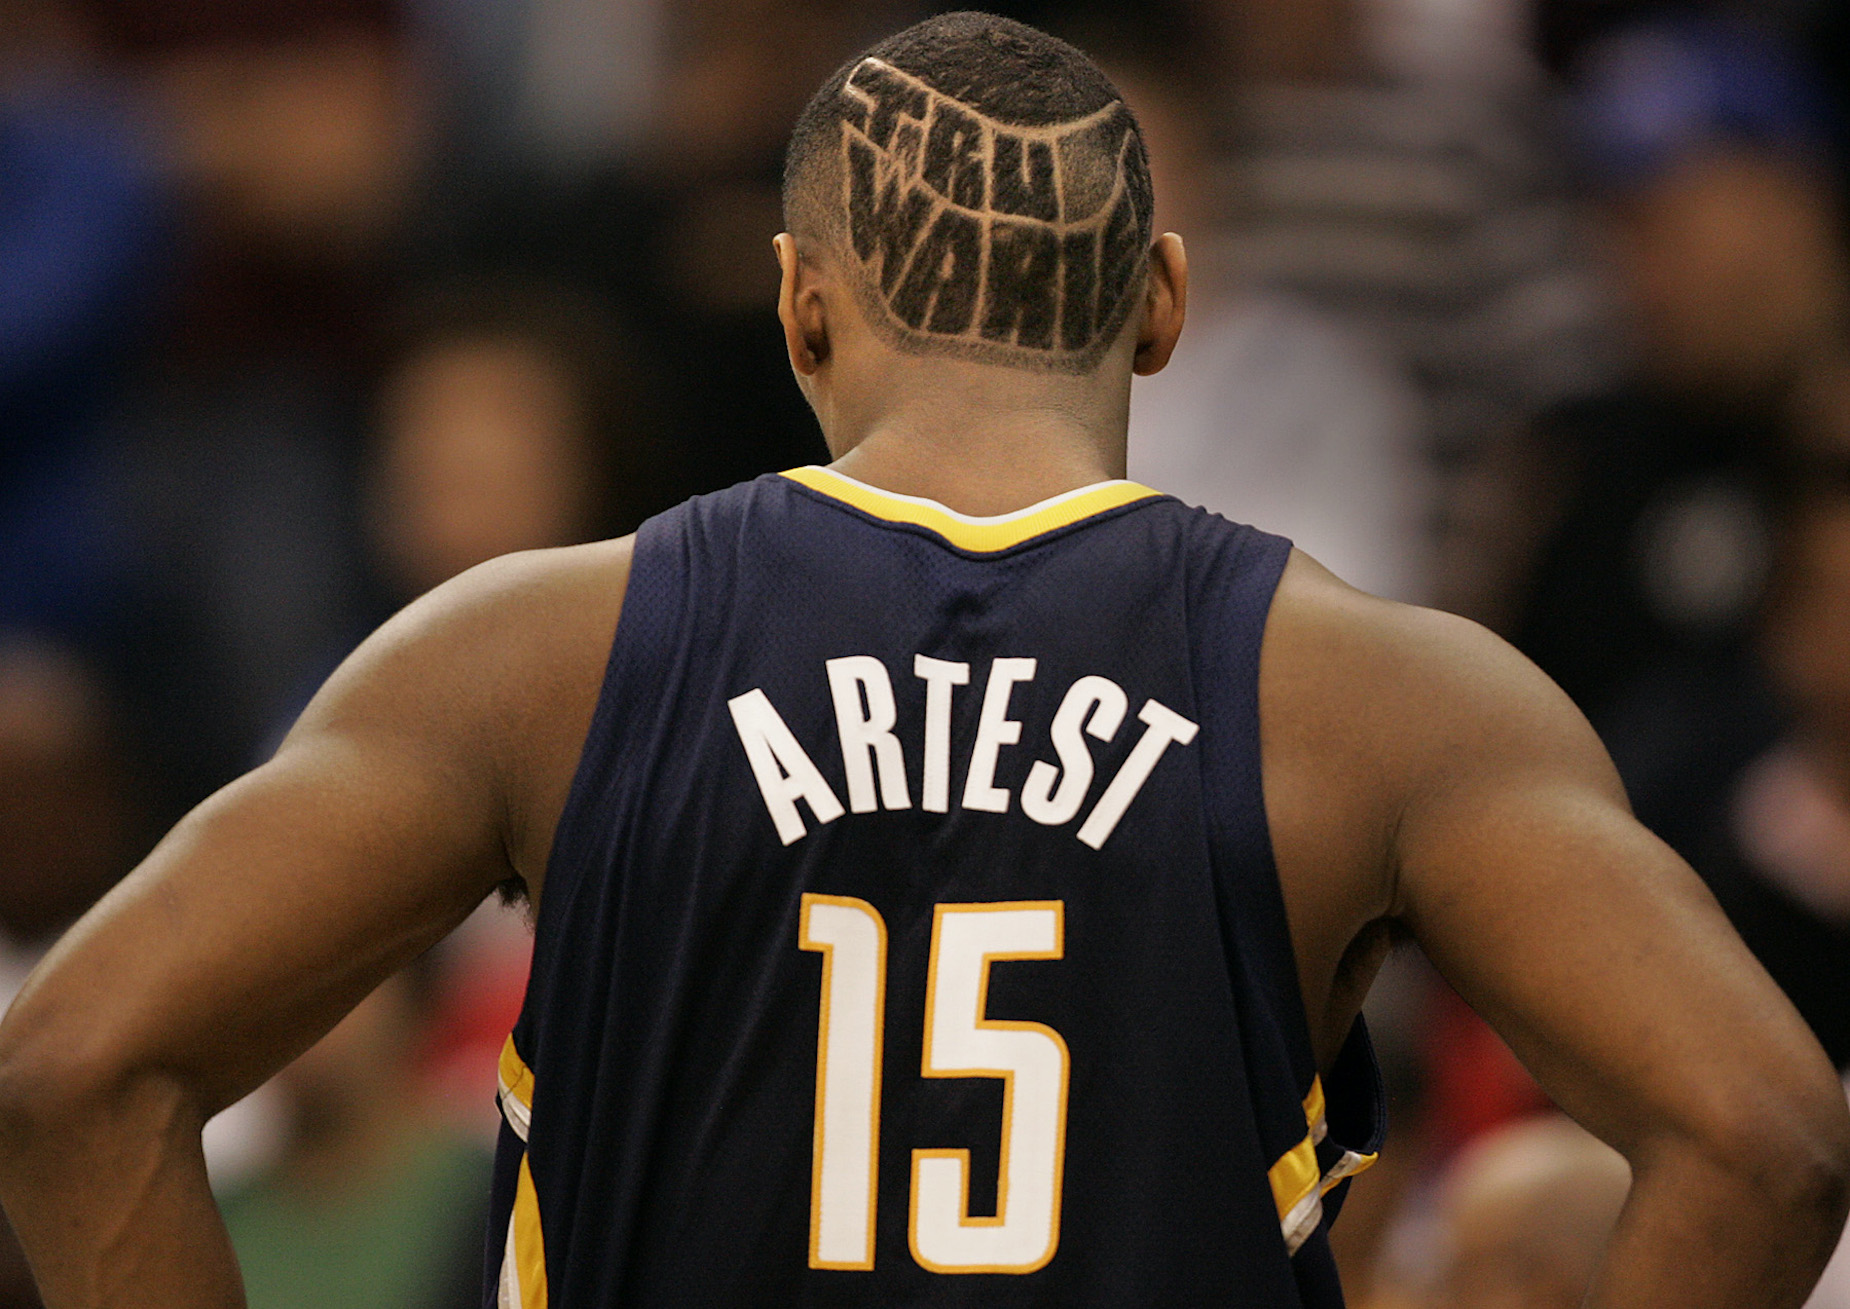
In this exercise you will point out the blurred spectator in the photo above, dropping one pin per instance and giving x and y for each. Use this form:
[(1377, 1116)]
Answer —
[(567, 85), (373, 1205), (1395, 169), (677, 236), (296, 135), (510, 416), (1699, 129), (301, 140), (1524, 1215), (69, 828), (84, 231), (485, 963), (593, 73), (1722, 218), (1778, 854), (1820, 28), (1269, 412), (739, 73), (1818, 416), (1475, 1083)]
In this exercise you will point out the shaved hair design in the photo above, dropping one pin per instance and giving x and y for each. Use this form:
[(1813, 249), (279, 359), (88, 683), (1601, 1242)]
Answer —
[(987, 189)]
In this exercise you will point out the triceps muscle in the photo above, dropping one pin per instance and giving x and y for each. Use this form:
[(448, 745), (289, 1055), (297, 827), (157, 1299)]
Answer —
[(266, 914)]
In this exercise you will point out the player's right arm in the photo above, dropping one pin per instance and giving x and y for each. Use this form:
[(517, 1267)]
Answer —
[(1509, 851), (429, 769)]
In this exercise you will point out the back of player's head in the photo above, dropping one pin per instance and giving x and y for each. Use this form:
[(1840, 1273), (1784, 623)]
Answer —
[(986, 189)]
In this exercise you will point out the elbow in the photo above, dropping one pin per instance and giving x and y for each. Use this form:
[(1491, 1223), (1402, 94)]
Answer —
[(54, 1085), (1795, 1158), (1815, 1156), (1816, 1196), (1825, 1167), (38, 1084)]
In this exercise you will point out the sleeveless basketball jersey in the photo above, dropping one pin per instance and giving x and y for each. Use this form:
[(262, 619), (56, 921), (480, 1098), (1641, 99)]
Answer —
[(911, 934)]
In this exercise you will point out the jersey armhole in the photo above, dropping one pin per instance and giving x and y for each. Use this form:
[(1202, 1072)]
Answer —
[(633, 675), (1320, 1131)]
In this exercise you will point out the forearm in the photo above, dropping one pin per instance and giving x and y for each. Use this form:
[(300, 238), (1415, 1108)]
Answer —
[(113, 1208), (1695, 1234)]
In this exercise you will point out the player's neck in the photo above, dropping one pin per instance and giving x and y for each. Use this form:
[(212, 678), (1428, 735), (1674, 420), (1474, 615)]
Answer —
[(979, 449), (985, 474)]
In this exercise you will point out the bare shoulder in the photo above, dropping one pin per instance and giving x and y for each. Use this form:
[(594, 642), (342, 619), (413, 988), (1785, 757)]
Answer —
[(1381, 724), (495, 674), (1424, 693), (484, 636)]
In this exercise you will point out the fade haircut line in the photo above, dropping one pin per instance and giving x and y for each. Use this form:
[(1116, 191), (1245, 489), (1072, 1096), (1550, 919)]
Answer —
[(987, 189)]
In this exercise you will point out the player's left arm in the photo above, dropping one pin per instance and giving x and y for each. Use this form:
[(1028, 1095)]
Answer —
[(1601, 958), (427, 771)]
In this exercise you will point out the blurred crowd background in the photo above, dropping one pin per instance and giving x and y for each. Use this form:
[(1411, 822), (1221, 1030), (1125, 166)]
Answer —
[(1536, 311)]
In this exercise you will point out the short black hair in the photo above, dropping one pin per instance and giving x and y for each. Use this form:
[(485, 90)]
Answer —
[(989, 185)]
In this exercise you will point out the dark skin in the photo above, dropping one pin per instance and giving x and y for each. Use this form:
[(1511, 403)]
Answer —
[(1419, 773)]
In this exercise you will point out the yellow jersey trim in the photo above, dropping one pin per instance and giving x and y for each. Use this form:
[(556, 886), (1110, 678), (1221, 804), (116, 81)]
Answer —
[(1294, 1176), (515, 1089), (523, 1259), (1299, 1183), (966, 531), (516, 1077), (529, 1246)]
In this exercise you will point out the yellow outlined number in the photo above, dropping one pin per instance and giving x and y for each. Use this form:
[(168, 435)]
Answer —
[(1030, 1058), (845, 1160)]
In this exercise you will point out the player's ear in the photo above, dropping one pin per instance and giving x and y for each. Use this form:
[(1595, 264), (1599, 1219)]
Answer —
[(800, 308), (1165, 304)]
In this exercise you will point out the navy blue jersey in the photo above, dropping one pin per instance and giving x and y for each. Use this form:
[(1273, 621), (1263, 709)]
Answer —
[(911, 933)]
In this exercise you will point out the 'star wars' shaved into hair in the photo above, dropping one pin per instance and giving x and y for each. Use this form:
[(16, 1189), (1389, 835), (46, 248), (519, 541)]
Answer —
[(986, 187)]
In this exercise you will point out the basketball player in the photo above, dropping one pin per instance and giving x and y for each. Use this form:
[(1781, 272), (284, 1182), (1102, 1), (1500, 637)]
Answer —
[(957, 870)]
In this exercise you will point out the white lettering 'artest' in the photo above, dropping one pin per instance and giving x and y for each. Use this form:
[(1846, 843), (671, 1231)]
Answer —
[(873, 760), (785, 773)]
